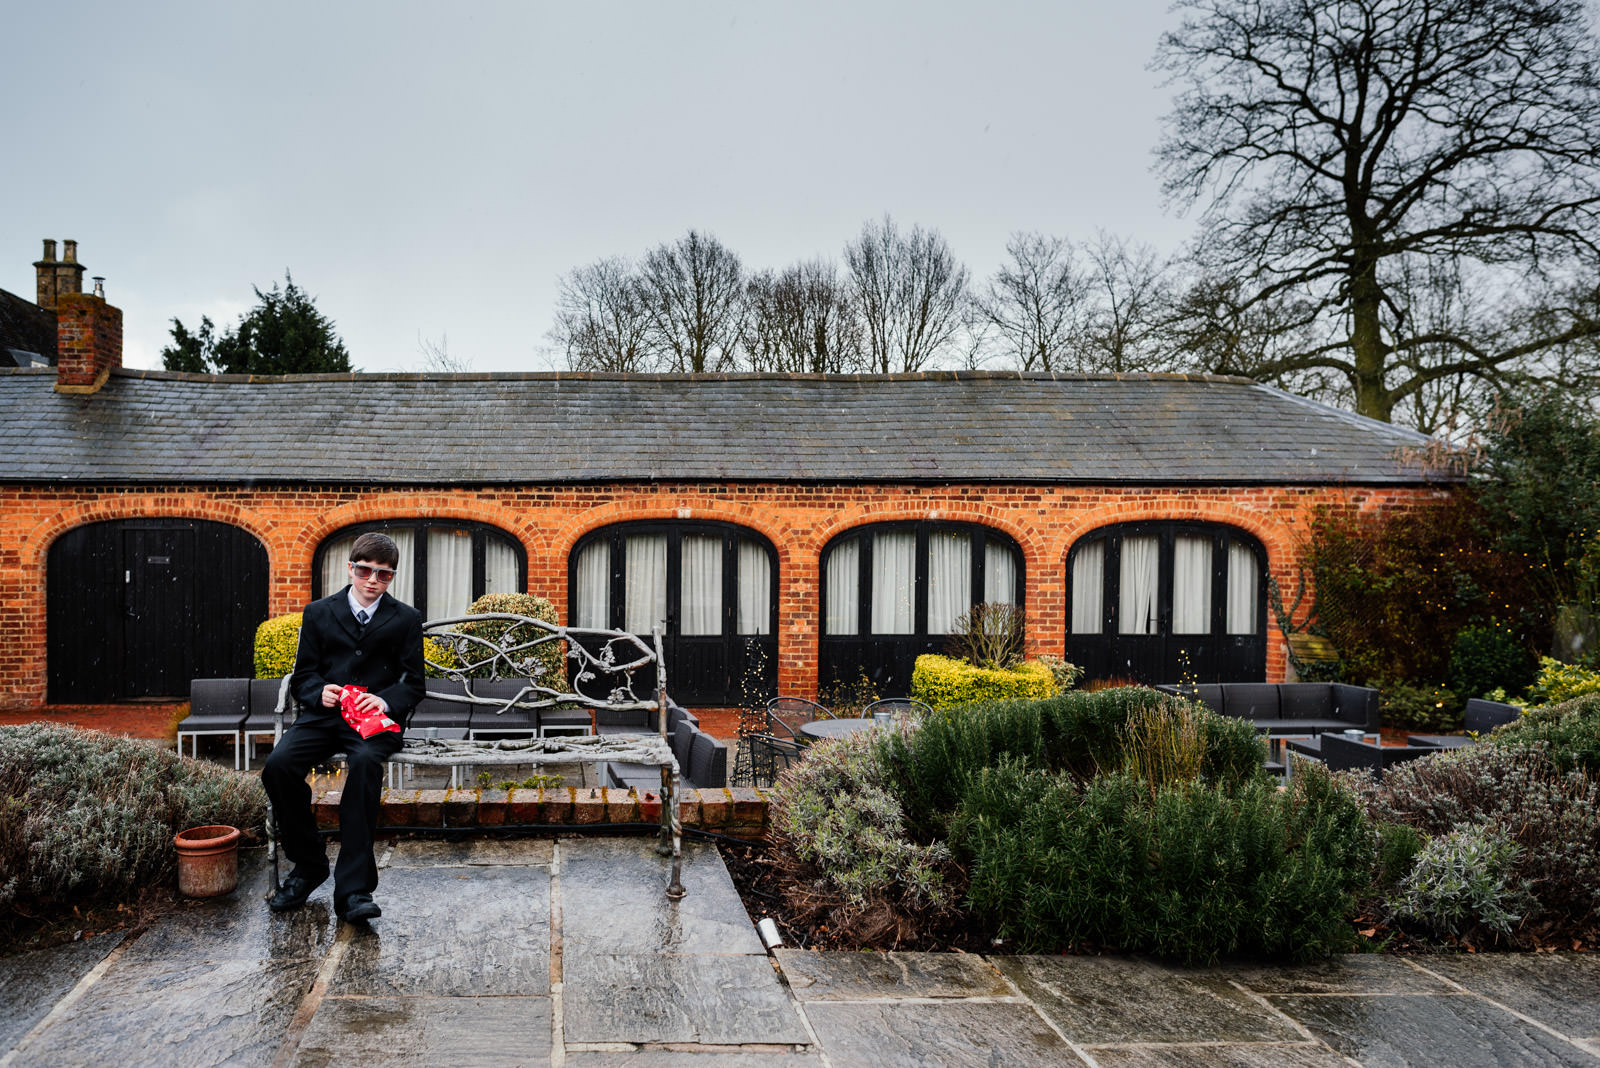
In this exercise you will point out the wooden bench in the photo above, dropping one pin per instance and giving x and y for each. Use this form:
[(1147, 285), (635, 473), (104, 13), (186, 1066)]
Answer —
[(509, 679)]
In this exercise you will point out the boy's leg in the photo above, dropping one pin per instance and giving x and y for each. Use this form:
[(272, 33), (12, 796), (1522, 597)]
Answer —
[(304, 745), (357, 870)]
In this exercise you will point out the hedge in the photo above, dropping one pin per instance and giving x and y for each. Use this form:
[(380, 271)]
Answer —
[(945, 683)]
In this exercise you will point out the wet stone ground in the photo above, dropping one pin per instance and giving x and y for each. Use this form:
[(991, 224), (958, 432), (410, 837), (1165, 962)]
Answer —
[(532, 952)]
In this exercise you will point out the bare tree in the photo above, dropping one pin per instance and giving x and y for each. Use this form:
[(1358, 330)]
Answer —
[(801, 320), (909, 291), (1126, 287), (437, 357), (1036, 303), (603, 319), (694, 289), (1330, 139)]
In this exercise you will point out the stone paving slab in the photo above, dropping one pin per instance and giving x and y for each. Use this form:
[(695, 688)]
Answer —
[(31, 983), (723, 1000), (613, 893), (1351, 974), (671, 1057), (1427, 1030), (913, 1034), (1560, 990), (434, 853), (427, 1032), (239, 926), (858, 976), (1101, 1000), (188, 1013), (1253, 1055), (453, 931)]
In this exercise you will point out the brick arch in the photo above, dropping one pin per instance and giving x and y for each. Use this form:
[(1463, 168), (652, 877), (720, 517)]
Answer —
[(1266, 528), (46, 533), (837, 523), (565, 537)]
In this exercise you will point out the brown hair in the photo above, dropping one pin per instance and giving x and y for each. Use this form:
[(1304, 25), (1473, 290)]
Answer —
[(376, 548)]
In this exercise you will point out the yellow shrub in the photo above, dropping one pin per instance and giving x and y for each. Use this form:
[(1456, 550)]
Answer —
[(945, 683), (276, 642)]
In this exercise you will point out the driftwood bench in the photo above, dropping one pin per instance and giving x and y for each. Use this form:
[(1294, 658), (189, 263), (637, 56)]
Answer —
[(511, 674)]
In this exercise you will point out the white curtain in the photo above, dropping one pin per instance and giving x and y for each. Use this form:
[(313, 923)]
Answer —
[(449, 572), (999, 574), (1089, 588), (842, 579), (644, 584), (499, 566), (949, 579), (755, 589), (1243, 577), (404, 586), (592, 595), (1136, 605), (1191, 584), (700, 584), (894, 570)]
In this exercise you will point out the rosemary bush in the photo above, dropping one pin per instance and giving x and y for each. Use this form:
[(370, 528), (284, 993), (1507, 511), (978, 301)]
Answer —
[(85, 814), (1191, 871)]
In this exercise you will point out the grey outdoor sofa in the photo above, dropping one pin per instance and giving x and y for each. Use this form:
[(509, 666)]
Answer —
[(1289, 709)]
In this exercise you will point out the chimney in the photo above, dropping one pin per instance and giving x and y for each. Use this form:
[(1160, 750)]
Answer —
[(88, 335), (57, 277)]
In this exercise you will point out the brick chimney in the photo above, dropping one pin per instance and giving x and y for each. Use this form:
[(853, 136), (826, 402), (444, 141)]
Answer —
[(56, 278), (88, 342)]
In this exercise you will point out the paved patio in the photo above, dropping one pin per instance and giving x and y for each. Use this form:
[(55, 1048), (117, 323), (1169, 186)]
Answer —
[(566, 952)]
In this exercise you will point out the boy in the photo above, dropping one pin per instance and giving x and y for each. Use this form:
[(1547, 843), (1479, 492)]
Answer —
[(359, 636)]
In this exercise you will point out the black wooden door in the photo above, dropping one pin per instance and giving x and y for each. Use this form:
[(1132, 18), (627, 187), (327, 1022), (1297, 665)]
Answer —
[(137, 608), (158, 631)]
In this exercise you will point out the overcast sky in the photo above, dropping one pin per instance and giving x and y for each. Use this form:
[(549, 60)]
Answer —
[(431, 170)]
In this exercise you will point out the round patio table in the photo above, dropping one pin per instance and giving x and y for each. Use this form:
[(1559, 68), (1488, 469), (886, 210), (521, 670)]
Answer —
[(821, 729)]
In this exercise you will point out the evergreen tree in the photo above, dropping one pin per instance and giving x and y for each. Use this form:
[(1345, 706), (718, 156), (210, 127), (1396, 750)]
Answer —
[(284, 334)]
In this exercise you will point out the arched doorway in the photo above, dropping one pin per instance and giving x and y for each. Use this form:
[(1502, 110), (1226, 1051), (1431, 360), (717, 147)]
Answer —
[(135, 608)]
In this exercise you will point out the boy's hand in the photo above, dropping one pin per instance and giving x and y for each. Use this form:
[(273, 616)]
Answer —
[(330, 695)]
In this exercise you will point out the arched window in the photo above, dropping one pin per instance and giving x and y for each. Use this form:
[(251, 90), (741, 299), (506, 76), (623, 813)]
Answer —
[(1168, 602), (445, 564), (892, 591), (711, 587)]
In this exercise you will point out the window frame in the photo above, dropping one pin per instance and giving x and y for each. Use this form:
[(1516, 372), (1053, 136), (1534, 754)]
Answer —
[(982, 536), (419, 527), (1222, 537)]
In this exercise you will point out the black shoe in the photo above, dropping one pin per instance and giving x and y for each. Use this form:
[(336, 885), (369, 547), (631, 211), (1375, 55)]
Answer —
[(358, 908), (296, 888)]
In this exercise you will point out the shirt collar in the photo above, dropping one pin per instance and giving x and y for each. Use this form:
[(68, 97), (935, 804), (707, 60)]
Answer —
[(357, 606)]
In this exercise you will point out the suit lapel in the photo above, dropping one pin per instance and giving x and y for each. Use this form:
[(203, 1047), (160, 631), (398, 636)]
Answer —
[(342, 614), (383, 614)]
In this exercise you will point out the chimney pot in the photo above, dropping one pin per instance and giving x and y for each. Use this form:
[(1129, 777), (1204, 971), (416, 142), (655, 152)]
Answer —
[(100, 286), (49, 251), (69, 251)]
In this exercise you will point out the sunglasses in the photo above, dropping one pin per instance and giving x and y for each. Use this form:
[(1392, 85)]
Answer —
[(365, 571)]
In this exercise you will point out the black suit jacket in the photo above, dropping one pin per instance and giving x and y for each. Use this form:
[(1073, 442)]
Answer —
[(386, 657)]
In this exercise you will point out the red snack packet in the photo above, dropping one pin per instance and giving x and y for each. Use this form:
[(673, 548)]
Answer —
[(366, 724)]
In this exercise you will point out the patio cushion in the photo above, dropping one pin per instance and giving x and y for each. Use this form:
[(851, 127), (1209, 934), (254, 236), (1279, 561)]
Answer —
[(708, 762), (1484, 716), (1251, 700), (433, 712), (682, 740), (1305, 700), (1302, 726), (216, 704)]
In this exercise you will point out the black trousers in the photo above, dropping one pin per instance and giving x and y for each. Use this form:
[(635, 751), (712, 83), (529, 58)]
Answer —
[(313, 738)]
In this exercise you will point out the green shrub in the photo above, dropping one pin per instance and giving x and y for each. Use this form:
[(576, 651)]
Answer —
[(1517, 790), (945, 683), (1464, 880), (837, 814), (277, 641), (1192, 872), (1164, 743), (545, 663), (1558, 682), (1398, 845), (1081, 733), (1489, 657), (1570, 730), (1419, 706), (86, 815)]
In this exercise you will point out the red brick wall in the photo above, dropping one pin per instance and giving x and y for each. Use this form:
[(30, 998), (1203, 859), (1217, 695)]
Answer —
[(88, 342), (290, 521)]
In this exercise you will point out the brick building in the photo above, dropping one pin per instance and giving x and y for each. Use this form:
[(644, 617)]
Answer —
[(785, 530)]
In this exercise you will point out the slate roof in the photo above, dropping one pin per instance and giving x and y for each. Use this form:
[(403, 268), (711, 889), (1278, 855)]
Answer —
[(25, 328), (154, 426)]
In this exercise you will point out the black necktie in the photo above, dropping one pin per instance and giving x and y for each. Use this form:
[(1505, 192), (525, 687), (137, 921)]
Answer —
[(361, 620)]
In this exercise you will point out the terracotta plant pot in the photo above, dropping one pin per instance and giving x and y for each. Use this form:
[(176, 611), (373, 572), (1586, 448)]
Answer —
[(208, 860)]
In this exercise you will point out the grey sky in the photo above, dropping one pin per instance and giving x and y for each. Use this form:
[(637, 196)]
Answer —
[(431, 170)]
